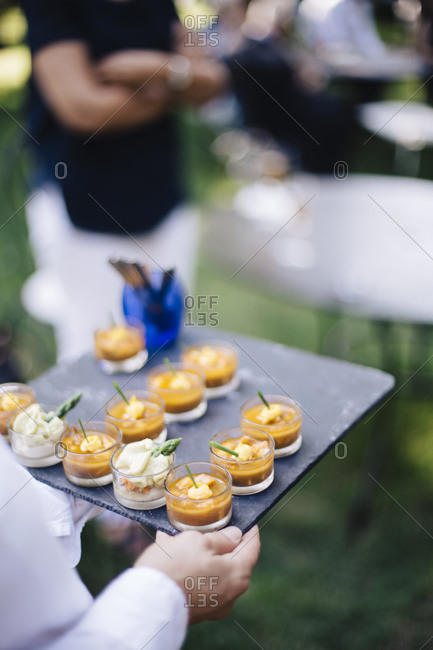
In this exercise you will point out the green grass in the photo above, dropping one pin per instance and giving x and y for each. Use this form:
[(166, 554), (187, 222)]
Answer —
[(327, 579)]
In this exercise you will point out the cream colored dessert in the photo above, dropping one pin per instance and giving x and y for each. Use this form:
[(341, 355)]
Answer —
[(33, 422), (139, 470), (143, 469), (34, 432)]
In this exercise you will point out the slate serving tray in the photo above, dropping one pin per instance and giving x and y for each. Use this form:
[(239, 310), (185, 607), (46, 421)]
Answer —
[(334, 396)]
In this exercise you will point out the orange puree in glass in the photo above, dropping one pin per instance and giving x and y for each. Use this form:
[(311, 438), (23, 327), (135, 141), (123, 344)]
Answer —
[(219, 362), (118, 343), (208, 503), (284, 427), (182, 390), (140, 419), (253, 464)]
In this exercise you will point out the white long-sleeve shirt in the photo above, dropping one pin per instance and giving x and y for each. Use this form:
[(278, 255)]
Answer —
[(45, 606)]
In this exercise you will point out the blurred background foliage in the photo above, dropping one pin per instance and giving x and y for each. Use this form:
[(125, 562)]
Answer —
[(343, 564)]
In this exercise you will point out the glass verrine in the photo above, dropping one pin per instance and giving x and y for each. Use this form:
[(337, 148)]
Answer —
[(139, 492), (202, 514), (219, 361), (13, 398), (121, 348), (249, 475), (285, 428), (182, 390), (34, 443), (149, 423), (89, 468)]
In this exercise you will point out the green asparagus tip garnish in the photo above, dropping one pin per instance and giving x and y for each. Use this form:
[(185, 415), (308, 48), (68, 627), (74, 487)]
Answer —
[(226, 449), (82, 429), (65, 407), (264, 400), (191, 477), (166, 448), (169, 366), (121, 393)]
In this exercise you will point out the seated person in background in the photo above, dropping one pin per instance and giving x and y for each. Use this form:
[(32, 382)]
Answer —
[(313, 127), (47, 606)]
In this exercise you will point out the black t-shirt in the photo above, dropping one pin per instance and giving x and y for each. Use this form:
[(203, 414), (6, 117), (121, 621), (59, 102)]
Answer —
[(133, 175)]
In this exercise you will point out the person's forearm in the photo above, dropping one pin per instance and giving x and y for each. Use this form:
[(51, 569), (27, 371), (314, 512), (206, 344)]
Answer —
[(68, 82), (207, 81), (110, 109), (190, 80)]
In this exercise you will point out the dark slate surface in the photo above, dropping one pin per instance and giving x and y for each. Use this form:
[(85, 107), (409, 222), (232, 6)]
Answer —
[(334, 396)]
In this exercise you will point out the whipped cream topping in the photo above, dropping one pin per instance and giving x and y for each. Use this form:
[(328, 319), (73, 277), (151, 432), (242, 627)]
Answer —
[(32, 422), (136, 461)]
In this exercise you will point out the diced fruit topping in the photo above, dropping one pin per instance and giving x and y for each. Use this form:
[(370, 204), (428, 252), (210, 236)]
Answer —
[(206, 356), (207, 479), (184, 483), (269, 415), (117, 333), (134, 410), (8, 402), (179, 381), (94, 443), (202, 491), (245, 452)]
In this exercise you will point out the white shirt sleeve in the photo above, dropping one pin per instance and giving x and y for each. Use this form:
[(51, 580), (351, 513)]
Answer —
[(142, 608), (46, 605)]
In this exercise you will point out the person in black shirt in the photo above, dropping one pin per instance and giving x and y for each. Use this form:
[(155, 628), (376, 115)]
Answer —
[(105, 83), (113, 141)]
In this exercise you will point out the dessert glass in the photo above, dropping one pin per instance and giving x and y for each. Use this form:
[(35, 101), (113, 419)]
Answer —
[(248, 476), (89, 469), (181, 404), (143, 492), (285, 430), (204, 515), (13, 398), (120, 349), (150, 425), (219, 361), (37, 449)]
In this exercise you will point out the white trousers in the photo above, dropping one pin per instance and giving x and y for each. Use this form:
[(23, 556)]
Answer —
[(74, 287)]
